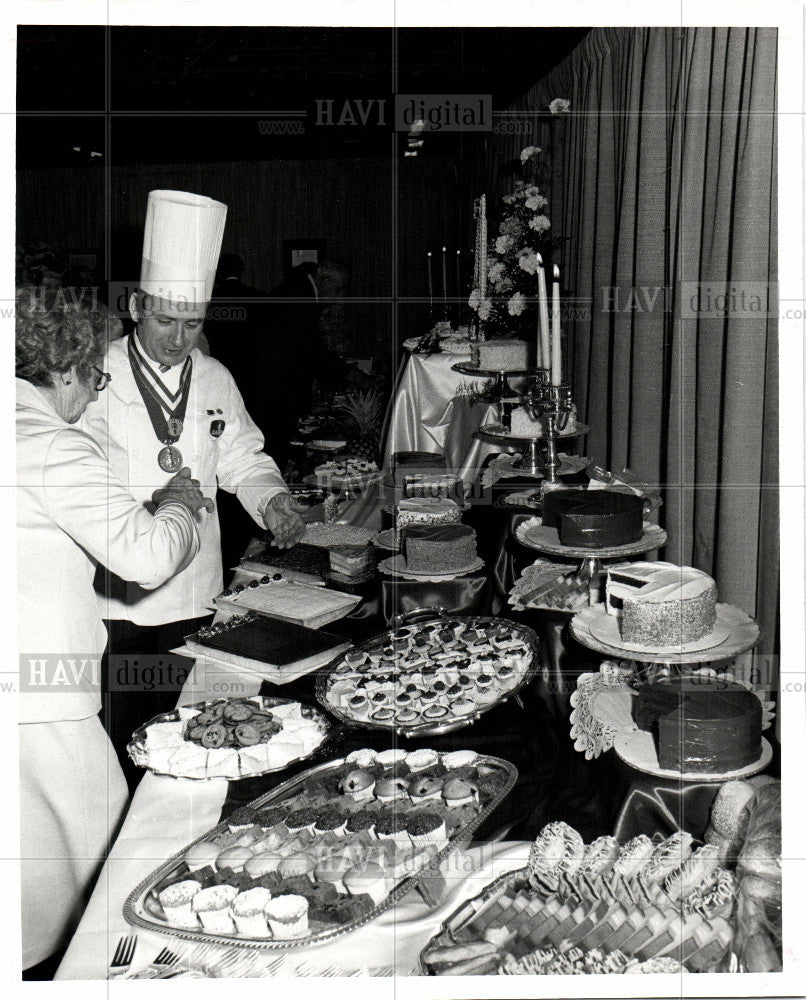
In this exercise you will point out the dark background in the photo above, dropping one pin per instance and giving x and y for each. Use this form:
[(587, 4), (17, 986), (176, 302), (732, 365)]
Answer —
[(107, 114)]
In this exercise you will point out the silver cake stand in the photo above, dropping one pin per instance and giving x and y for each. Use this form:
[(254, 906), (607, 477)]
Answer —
[(532, 533), (532, 463)]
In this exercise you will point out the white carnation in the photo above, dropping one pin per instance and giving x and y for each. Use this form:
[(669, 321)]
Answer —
[(485, 309), (539, 223), (516, 304), (528, 152), (475, 299), (560, 106), (536, 202), (496, 272), (527, 261), (502, 244)]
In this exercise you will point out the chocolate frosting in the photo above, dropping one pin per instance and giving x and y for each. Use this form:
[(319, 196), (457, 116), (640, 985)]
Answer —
[(701, 727)]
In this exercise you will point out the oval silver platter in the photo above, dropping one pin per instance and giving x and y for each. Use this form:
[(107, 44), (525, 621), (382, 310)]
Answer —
[(140, 909), (427, 728)]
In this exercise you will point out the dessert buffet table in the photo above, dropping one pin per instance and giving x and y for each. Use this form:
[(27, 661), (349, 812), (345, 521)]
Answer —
[(597, 795)]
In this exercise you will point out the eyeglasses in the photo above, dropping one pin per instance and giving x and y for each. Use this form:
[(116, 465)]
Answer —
[(103, 380)]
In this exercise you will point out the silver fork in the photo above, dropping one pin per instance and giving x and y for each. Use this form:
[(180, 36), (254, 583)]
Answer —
[(124, 953), (165, 957)]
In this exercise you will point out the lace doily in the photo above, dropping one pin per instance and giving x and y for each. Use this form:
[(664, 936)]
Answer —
[(591, 736), (594, 734)]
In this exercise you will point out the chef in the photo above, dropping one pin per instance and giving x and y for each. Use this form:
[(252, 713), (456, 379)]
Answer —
[(171, 407)]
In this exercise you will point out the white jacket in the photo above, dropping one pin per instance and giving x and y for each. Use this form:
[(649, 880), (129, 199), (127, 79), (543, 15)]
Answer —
[(235, 461), (72, 514)]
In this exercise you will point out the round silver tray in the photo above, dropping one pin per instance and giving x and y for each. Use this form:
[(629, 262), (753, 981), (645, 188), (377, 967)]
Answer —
[(465, 368), (419, 729), (137, 747), (535, 535), (137, 915), (500, 432)]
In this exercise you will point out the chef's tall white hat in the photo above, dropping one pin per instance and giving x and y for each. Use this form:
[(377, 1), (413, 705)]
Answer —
[(181, 246)]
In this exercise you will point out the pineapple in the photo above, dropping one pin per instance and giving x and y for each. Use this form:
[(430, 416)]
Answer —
[(365, 411)]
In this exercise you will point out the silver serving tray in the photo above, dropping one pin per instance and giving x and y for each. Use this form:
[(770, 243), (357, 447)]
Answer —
[(464, 914), (137, 914), (419, 729), (138, 752)]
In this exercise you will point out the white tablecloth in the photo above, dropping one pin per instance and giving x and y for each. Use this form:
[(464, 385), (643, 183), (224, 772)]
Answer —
[(168, 813), (432, 413)]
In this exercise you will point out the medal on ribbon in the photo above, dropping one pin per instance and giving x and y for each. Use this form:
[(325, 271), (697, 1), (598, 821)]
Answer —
[(166, 410)]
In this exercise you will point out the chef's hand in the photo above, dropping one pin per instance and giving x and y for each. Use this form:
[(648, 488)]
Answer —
[(283, 518), (183, 489)]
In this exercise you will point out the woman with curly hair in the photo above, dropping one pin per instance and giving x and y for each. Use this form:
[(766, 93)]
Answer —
[(72, 514)]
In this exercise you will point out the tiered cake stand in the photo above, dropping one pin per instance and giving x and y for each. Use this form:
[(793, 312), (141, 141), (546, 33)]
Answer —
[(734, 633), (501, 387), (532, 463), (534, 535)]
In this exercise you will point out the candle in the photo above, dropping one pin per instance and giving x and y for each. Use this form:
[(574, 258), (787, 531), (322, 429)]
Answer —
[(445, 274), (458, 273), (483, 246), (556, 350), (430, 279), (538, 345), (543, 314)]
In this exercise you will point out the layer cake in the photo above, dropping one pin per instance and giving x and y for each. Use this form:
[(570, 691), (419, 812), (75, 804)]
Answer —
[(503, 355), (659, 604), (700, 724), (438, 548), (594, 519), (427, 510)]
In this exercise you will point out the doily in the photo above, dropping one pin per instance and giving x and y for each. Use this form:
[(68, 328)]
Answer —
[(595, 733), (591, 736)]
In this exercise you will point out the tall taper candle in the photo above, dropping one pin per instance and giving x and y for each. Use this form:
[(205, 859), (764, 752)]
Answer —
[(458, 274), (430, 279), (444, 274), (543, 313), (483, 246), (538, 345), (556, 349)]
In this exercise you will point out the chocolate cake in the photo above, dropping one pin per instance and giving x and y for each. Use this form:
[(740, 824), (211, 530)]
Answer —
[(594, 519), (661, 605), (438, 548), (700, 724)]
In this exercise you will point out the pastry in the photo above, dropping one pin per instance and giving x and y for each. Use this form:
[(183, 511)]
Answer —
[(248, 912), (558, 849), (288, 917), (212, 906), (176, 902), (366, 879)]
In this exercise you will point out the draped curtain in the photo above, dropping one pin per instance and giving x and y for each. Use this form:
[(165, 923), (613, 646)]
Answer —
[(662, 185)]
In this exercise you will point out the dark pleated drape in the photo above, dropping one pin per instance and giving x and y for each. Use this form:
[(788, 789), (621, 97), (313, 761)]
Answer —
[(662, 185)]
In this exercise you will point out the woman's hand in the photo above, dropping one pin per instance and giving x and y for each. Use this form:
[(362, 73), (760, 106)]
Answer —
[(183, 489), (283, 518)]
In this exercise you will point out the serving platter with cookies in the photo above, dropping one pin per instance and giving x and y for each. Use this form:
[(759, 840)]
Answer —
[(230, 738), (429, 677), (325, 852)]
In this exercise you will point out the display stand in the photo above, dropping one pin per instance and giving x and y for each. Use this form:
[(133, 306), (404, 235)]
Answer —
[(534, 535)]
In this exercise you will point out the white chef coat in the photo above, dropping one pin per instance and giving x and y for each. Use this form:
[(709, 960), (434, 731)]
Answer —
[(234, 461)]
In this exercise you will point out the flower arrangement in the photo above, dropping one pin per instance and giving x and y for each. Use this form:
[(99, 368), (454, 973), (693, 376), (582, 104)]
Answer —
[(509, 307)]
